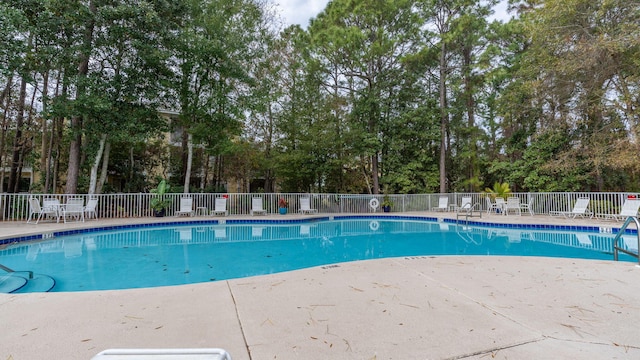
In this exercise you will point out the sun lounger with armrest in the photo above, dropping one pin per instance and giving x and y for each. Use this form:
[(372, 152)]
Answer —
[(629, 208), (580, 208)]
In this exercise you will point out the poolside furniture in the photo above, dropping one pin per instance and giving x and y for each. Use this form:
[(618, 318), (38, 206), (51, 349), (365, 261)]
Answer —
[(256, 207), (491, 206), (500, 204), (527, 207), (465, 204), (90, 209), (512, 205), (52, 206), (580, 208), (305, 206), (629, 208), (143, 354), (220, 207), (186, 207), (39, 212), (443, 204), (73, 209)]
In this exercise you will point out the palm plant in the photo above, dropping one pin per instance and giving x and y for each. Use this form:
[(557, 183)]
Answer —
[(499, 190)]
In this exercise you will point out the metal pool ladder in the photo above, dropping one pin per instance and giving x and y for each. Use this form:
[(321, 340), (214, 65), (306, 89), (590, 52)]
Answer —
[(469, 212), (617, 248)]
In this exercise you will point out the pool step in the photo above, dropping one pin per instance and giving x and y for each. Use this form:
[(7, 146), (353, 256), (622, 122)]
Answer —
[(19, 282), (10, 283)]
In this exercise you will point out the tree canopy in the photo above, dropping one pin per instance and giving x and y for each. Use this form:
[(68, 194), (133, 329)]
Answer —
[(374, 96)]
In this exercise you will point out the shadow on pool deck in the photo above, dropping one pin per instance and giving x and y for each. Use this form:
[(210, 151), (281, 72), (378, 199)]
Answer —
[(448, 307)]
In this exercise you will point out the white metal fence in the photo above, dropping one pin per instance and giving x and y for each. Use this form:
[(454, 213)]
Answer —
[(15, 207)]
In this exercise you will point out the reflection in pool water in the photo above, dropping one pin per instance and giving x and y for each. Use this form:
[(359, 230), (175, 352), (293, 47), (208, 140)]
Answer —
[(172, 255)]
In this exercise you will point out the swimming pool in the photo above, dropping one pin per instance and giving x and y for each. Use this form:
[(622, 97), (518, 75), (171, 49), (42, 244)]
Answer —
[(209, 251)]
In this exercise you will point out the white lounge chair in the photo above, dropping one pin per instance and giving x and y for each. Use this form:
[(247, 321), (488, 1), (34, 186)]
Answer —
[(90, 209), (465, 204), (256, 207), (305, 206), (186, 207), (142, 354), (73, 209), (220, 207), (512, 205), (443, 204), (629, 208), (580, 208), (39, 212)]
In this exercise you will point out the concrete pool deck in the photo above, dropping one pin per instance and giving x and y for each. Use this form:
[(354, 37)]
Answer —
[(449, 307)]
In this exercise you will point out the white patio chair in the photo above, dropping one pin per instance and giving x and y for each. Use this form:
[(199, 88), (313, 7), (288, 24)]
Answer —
[(186, 207), (90, 209), (527, 207), (73, 209), (53, 208), (220, 207), (501, 204), (491, 206), (37, 212), (256, 207), (512, 205), (443, 203), (305, 206)]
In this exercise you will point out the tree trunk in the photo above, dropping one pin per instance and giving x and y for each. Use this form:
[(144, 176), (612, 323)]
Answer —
[(205, 170), (470, 103), (44, 144), (187, 173), (6, 94), (75, 146), (18, 142), (443, 118), (105, 168), (93, 178)]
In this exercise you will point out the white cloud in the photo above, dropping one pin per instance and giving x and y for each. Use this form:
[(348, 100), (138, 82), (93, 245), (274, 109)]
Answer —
[(301, 11)]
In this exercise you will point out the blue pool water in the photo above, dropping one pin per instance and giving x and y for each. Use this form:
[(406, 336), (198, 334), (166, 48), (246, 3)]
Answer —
[(184, 254)]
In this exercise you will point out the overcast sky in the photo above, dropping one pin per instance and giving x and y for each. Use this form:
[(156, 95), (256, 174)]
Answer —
[(300, 11)]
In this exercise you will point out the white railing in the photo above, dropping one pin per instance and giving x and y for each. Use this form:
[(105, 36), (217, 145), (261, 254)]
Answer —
[(15, 207)]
